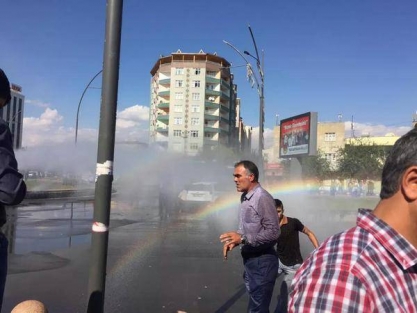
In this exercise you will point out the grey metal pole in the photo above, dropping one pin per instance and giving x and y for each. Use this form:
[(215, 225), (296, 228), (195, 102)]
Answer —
[(105, 155), (260, 66), (261, 111)]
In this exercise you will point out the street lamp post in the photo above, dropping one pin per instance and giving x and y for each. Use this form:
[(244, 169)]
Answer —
[(259, 85), (79, 104), (11, 124)]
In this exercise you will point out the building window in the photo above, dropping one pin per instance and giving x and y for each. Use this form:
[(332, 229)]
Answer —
[(177, 108), (194, 133), (211, 73), (208, 135), (195, 108), (179, 95), (330, 137), (177, 120), (177, 133), (198, 71), (209, 87), (195, 121), (179, 71), (196, 96), (196, 83), (178, 83), (193, 146)]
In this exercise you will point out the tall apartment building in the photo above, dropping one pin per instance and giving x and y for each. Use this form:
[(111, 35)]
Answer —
[(193, 103), (13, 114)]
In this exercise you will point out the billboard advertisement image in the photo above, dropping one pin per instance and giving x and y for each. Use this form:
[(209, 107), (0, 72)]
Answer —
[(298, 135)]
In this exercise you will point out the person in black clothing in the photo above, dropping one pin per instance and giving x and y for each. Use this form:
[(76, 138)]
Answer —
[(288, 250), (12, 185)]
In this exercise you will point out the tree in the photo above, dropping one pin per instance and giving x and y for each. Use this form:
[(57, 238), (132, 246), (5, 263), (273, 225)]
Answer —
[(362, 160), (316, 167)]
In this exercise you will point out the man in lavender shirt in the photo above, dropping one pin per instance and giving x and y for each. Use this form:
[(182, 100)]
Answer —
[(258, 232)]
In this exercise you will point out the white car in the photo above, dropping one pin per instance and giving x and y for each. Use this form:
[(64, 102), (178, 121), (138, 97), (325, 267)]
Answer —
[(199, 193)]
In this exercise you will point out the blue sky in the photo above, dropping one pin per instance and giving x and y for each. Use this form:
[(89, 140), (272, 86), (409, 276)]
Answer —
[(355, 58)]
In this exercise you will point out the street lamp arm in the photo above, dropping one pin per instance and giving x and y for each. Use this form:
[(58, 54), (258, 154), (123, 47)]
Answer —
[(79, 104), (237, 50), (14, 117), (256, 47), (258, 60), (247, 64)]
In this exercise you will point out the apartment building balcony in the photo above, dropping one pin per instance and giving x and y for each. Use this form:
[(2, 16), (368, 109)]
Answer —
[(162, 130), (212, 80), (211, 105), (224, 107), (225, 95), (209, 129), (166, 81), (211, 117), (210, 92), (225, 120), (163, 93), (163, 105), (225, 84), (164, 118)]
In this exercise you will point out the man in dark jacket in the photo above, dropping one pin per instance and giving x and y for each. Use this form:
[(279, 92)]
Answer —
[(12, 185)]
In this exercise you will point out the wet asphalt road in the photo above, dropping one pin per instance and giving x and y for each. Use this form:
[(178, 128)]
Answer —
[(153, 265)]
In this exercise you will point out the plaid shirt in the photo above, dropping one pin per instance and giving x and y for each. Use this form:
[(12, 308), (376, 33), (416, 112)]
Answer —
[(369, 268)]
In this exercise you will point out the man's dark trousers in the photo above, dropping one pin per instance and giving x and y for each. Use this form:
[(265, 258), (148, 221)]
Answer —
[(260, 275)]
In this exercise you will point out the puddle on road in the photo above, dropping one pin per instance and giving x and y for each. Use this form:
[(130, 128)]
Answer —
[(52, 227)]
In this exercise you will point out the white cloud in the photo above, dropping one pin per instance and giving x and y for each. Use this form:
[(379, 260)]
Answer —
[(137, 113), (132, 124), (48, 129), (37, 103), (375, 130)]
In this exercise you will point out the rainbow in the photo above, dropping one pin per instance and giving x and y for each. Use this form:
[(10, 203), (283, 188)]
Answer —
[(143, 246), (231, 199)]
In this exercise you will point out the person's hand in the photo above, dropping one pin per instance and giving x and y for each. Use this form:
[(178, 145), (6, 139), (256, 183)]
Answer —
[(230, 240), (228, 247)]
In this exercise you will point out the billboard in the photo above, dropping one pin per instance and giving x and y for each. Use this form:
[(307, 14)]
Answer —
[(298, 135)]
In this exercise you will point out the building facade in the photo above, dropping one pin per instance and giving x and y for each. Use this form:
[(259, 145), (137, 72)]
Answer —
[(13, 114), (193, 103), (330, 138)]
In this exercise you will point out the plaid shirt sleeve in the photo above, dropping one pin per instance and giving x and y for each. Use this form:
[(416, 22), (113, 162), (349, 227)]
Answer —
[(326, 282), (330, 290), (369, 268)]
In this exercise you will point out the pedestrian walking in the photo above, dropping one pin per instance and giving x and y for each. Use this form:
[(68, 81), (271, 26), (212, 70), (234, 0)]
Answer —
[(257, 234), (289, 253)]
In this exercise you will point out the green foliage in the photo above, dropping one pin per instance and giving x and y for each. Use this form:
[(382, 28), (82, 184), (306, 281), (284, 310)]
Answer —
[(362, 160), (316, 167)]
